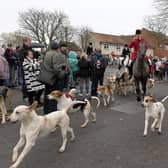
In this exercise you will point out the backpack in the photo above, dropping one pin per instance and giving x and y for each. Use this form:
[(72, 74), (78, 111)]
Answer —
[(99, 63)]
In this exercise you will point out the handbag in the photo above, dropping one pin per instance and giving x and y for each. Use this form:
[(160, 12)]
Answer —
[(46, 75)]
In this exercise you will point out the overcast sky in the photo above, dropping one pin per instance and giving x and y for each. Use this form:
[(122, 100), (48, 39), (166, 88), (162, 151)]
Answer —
[(105, 16)]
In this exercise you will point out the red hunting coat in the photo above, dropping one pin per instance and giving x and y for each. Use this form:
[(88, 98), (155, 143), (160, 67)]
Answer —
[(135, 45)]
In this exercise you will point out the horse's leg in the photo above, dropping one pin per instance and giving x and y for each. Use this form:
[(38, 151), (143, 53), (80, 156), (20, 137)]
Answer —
[(138, 92), (144, 82)]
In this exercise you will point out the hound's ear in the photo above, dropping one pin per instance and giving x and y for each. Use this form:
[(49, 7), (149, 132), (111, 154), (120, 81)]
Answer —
[(33, 106), (154, 101), (59, 94)]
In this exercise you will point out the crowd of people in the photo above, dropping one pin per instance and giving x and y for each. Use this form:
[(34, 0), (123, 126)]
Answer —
[(158, 66), (57, 69), (61, 69)]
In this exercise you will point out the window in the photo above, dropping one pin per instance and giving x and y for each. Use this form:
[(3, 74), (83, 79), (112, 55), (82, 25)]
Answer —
[(106, 45), (118, 47)]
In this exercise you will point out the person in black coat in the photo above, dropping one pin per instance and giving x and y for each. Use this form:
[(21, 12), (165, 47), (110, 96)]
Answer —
[(21, 56), (98, 67), (84, 74), (125, 53), (11, 58), (89, 50)]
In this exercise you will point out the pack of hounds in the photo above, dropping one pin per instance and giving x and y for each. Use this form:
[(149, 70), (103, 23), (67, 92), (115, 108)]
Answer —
[(34, 126)]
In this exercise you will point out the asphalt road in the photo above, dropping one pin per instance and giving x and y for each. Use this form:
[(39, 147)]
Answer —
[(114, 141)]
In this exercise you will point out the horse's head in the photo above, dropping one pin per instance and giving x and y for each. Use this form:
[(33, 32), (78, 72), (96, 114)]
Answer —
[(142, 49)]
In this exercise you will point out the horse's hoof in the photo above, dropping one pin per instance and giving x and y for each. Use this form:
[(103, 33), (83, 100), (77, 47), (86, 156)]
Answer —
[(138, 99)]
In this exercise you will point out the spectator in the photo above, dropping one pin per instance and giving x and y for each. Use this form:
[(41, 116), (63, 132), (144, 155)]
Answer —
[(110, 59), (23, 51), (73, 68), (11, 58), (98, 66), (55, 61), (43, 53), (2, 51), (115, 59), (37, 54), (152, 70), (79, 54), (22, 55), (4, 69), (157, 69), (89, 50), (18, 64), (4, 46), (63, 51), (161, 71), (4, 73), (31, 71), (166, 70), (84, 74)]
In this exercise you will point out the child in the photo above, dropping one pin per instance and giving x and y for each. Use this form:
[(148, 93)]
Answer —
[(31, 70)]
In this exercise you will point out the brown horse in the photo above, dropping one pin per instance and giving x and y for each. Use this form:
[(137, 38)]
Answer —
[(141, 71)]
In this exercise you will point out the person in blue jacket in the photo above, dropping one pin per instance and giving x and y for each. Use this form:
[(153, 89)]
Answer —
[(73, 67)]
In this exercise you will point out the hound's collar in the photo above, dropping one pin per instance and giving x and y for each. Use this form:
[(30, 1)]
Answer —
[(67, 95)]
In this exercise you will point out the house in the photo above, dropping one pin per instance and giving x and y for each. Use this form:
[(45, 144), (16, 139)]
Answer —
[(115, 44), (107, 43)]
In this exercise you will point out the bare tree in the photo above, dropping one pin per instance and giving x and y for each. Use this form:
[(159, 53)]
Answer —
[(154, 23), (43, 26), (158, 28), (67, 33), (158, 24), (84, 37), (162, 6), (15, 38)]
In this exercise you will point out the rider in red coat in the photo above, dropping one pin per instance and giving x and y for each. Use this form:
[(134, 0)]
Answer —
[(135, 45)]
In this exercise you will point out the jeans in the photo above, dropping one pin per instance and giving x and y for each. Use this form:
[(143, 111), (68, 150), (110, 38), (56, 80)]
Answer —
[(11, 80), (20, 74), (84, 82), (34, 95), (97, 79), (166, 75)]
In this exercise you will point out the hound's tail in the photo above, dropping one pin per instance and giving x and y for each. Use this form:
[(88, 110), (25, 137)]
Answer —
[(69, 106), (98, 100), (164, 99)]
